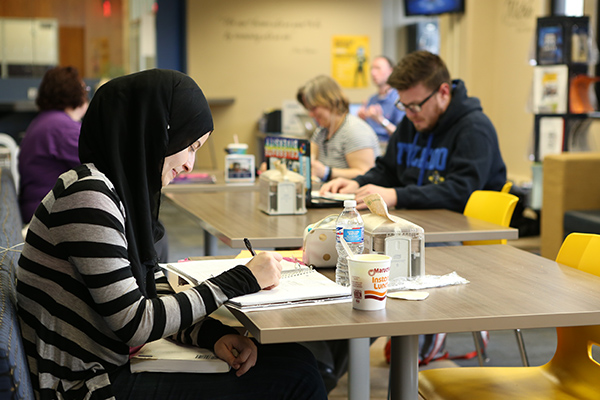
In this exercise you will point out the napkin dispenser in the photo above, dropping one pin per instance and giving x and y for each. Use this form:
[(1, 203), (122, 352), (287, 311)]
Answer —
[(282, 192), (318, 248), (401, 239)]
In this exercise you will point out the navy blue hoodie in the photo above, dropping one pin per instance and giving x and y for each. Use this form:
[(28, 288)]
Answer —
[(461, 154)]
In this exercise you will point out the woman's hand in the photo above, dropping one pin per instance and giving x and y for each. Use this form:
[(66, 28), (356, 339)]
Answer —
[(362, 111), (245, 348), (266, 268), (317, 168), (375, 112)]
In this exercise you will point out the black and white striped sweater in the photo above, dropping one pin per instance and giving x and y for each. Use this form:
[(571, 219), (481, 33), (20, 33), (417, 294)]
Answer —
[(80, 306)]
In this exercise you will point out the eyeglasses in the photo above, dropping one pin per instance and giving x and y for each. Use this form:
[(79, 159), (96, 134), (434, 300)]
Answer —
[(415, 108)]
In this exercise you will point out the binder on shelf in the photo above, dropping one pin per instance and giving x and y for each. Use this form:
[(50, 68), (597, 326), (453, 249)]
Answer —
[(580, 93), (299, 285)]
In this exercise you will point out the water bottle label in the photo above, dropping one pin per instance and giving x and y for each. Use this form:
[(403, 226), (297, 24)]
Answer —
[(351, 235)]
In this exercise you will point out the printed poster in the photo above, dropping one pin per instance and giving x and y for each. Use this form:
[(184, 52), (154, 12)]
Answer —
[(550, 45), (293, 152), (551, 136), (350, 57), (550, 86)]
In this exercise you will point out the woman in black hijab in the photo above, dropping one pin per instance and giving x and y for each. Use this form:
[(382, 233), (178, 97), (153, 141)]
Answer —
[(88, 283)]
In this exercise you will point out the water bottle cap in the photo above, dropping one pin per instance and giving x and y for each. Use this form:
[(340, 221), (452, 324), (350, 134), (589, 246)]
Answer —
[(349, 203)]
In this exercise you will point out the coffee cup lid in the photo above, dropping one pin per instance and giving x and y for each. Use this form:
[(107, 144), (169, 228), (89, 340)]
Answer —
[(237, 146)]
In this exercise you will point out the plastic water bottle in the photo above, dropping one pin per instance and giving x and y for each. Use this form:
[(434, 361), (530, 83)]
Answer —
[(349, 225)]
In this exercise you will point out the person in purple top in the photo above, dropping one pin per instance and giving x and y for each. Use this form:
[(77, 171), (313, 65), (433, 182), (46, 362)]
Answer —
[(50, 145)]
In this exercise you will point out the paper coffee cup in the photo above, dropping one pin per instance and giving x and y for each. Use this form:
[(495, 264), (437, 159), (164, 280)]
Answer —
[(236, 148), (369, 278)]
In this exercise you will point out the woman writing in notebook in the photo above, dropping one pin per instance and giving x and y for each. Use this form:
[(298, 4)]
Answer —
[(343, 145), (89, 288)]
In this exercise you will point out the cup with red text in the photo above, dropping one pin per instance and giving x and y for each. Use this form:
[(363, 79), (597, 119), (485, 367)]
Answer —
[(369, 278)]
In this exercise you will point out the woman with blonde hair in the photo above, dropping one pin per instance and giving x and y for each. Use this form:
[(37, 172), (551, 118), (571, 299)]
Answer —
[(343, 145)]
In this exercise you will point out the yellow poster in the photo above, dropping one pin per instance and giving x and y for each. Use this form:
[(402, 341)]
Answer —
[(350, 60)]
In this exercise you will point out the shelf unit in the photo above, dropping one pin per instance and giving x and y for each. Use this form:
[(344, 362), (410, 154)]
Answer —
[(561, 103)]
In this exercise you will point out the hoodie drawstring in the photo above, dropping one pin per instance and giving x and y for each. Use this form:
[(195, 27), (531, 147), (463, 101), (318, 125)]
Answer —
[(424, 156)]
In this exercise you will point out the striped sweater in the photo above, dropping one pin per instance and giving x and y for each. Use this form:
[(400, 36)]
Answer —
[(79, 304)]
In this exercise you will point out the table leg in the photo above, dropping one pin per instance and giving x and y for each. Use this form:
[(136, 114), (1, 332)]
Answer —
[(404, 368), (211, 244), (359, 379)]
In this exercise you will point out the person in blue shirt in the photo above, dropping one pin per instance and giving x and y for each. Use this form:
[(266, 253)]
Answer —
[(380, 111)]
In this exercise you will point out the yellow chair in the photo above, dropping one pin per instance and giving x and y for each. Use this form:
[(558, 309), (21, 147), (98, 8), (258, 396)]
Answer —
[(490, 206), (495, 207), (571, 374), (507, 186)]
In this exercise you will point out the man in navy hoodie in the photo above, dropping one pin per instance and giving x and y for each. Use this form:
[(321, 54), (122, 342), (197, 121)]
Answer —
[(443, 150)]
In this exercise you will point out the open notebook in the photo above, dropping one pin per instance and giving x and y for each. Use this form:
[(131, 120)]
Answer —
[(299, 285)]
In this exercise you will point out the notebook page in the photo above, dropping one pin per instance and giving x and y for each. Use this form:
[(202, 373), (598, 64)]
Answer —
[(196, 272), (304, 286), (297, 284)]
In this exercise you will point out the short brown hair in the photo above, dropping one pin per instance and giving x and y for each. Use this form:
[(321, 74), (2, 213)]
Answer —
[(325, 92), (61, 87), (419, 67)]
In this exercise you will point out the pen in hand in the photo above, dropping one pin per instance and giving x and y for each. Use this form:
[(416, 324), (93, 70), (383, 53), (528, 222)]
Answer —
[(251, 250), (249, 246)]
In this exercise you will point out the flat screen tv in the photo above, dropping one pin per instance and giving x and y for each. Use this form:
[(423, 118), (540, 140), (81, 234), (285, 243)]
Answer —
[(433, 7)]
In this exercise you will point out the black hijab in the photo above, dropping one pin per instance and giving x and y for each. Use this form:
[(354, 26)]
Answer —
[(132, 123)]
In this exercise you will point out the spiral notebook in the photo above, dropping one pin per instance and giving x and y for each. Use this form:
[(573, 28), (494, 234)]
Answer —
[(299, 285)]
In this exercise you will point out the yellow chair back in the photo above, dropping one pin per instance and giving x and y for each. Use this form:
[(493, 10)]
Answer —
[(581, 251), (574, 347), (490, 206), (573, 357), (507, 186)]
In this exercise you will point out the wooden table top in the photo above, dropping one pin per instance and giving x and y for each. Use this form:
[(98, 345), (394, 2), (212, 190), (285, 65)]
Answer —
[(232, 215), (509, 288)]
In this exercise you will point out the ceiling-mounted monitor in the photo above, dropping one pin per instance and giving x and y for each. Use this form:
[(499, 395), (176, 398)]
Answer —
[(433, 7)]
